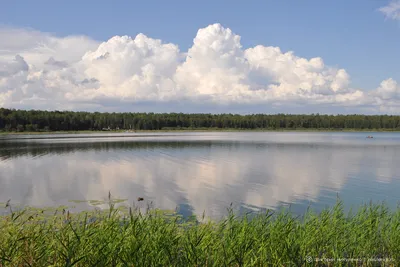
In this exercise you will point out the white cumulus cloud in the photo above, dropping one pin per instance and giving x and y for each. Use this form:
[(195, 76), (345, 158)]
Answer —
[(39, 70), (392, 10)]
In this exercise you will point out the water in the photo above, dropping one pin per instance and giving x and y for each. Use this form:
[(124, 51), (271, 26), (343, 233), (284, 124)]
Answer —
[(203, 172)]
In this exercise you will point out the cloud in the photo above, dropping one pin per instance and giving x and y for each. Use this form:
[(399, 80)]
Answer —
[(389, 90), (58, 64), (40, 70), (391, 11)]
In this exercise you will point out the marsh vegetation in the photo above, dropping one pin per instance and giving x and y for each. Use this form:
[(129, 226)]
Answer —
[(125, 236)]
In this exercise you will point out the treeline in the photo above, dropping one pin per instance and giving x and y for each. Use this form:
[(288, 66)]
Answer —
[(36, 120)]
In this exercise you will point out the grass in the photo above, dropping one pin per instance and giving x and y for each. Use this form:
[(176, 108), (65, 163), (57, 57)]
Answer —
[(121, 236)]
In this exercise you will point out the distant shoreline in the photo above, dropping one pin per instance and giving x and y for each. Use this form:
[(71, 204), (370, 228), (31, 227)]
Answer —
[(37, 121), (200, 130)]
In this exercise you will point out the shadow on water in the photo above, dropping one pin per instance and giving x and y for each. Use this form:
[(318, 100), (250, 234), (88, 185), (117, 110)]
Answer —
[(34, 149)]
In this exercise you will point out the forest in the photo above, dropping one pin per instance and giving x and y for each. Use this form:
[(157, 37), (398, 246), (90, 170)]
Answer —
[(12, 120)]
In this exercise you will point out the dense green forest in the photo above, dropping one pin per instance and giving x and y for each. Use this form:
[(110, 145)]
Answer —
[(36, 120)]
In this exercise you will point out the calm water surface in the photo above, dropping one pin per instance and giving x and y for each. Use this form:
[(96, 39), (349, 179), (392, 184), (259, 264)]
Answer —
[(203, 172)]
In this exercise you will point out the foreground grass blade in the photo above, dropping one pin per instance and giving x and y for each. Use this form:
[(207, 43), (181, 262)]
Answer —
[(368, 236)]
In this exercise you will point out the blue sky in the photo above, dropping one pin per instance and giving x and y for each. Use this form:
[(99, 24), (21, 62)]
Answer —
[(352, 35), (349, 34)]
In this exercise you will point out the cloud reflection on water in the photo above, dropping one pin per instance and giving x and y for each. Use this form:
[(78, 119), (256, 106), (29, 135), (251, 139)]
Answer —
[(207, 176)]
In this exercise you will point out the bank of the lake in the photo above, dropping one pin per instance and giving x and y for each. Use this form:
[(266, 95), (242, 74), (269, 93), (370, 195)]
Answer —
[(41, 120), (121, 236), (200, 130)]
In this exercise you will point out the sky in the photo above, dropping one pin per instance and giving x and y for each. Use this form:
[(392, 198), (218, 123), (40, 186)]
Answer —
[(201, 56)]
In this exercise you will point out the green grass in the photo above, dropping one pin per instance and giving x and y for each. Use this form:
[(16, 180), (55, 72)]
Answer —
[(121, 236)]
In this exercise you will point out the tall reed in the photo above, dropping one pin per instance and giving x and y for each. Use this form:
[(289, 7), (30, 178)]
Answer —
[(126, 237)]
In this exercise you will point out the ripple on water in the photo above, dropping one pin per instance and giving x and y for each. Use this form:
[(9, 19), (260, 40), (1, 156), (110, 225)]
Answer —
[(206, 171)]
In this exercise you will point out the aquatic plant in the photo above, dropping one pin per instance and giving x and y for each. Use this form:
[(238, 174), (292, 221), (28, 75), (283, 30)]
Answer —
[(124, 236)]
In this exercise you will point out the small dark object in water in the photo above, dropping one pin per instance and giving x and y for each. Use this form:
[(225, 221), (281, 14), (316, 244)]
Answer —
[(369, 136), (140, 199)]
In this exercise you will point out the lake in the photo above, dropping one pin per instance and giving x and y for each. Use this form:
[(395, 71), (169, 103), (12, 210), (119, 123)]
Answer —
[(202, 171)]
